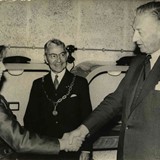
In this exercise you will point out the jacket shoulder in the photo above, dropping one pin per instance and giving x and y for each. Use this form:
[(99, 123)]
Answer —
[(81, 78), (39, 80), (78, 80), (138, 59)]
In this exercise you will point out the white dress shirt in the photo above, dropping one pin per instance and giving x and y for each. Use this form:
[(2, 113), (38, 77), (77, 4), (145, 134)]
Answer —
[(60, 75), (153, 60)]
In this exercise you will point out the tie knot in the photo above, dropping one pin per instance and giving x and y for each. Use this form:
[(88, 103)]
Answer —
[(56, 76), (56, 83), (147, 66), (148, 57)]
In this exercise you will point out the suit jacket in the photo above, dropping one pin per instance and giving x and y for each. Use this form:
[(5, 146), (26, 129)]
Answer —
[(140, 131), (15, 139), (71, 111)]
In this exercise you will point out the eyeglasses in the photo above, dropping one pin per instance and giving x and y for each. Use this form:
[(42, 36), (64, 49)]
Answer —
[(56, 56)]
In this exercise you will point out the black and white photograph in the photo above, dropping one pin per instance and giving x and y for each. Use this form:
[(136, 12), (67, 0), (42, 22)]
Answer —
[(80, 80)]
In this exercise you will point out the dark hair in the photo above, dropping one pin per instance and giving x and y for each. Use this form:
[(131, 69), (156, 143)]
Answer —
[(151, 7), (56, 42)]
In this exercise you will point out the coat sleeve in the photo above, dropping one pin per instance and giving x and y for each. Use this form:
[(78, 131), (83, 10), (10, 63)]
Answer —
[(85, 107), (113, 103), (106, 110), (31, 117), (21, 140), (85, 102)]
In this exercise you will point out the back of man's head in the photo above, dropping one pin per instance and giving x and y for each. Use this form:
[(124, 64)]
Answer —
[(152, 8)]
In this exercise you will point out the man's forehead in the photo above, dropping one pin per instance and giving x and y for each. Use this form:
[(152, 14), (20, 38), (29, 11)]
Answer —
[(144, 19), (55, 47)]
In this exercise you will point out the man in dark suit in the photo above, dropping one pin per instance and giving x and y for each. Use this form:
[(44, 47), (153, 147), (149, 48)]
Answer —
[(137, 96), (58, 105), (15, 139)]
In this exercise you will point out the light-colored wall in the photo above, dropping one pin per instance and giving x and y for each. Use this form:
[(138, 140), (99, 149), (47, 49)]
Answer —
[(83, 23)]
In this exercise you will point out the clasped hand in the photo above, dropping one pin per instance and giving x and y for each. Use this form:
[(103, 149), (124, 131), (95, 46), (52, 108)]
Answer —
[(72, 141)]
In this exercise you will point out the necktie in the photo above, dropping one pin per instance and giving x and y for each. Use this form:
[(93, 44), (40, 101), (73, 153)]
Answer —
[(147, 66), (56, 83), (141, 80)]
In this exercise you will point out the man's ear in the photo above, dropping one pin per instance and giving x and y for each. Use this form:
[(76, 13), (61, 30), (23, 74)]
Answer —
[(45, 59), (67, 54)]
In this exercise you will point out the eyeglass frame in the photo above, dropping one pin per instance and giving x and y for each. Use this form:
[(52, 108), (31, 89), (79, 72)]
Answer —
[(56, 56)]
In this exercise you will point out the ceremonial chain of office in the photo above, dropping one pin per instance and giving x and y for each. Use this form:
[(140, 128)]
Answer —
[(55, 103)]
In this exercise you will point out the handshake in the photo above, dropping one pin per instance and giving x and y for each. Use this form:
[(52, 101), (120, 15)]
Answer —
[(72, 141)]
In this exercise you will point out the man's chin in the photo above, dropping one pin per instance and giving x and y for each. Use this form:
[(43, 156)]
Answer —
[(142, 50), (58, 70)]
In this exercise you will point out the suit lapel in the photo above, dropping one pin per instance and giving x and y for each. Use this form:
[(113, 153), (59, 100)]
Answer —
[(3, 101), (65, 83), (130, 95), (62, 88), (49, 86), (6, 105), (149, 83)]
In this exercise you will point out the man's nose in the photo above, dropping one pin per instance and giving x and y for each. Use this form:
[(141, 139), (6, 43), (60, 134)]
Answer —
[(58, 58), (135, 36), (2, 67)]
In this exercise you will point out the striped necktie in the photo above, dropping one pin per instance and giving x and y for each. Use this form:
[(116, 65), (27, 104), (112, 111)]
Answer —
[(56, 83), (147, 66)]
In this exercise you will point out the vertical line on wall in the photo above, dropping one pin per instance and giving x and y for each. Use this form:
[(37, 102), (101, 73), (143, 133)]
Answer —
[(127, 23), (78, 20), (29, 20), (125, 20)]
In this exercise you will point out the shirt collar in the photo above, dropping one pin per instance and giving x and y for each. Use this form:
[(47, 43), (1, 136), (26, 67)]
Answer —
[(60, 75), (154, 58)]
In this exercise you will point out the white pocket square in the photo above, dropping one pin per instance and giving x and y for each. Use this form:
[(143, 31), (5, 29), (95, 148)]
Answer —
[(73, 95), (157, 87)]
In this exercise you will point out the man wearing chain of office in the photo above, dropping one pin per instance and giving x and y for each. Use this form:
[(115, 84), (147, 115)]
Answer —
[(59, 101)]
